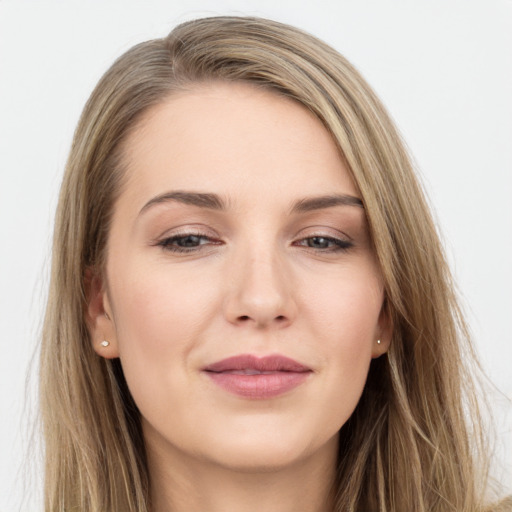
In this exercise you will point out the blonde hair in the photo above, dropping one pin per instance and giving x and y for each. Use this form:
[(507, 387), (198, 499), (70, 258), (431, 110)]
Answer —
[(407, 445)]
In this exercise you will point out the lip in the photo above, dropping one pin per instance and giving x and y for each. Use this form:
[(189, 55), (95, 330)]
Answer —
[(256, 377)]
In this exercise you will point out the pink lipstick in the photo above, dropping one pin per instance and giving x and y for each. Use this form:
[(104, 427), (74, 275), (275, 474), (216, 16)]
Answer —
[(254, 377)]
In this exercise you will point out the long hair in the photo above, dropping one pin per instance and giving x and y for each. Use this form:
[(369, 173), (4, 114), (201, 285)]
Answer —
[(408, 445)]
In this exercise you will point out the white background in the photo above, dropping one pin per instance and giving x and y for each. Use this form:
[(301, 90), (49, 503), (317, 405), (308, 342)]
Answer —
[(442, 67)]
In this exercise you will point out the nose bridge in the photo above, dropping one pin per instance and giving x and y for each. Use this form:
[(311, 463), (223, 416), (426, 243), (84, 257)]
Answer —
[(261, 286)]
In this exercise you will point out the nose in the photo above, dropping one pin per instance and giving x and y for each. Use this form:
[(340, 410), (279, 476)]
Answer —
[(260, 292)]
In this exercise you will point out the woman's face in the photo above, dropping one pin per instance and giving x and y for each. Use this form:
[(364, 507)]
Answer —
[(241, 291)]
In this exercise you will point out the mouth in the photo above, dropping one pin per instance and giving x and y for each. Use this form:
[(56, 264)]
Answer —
[(255, 377)]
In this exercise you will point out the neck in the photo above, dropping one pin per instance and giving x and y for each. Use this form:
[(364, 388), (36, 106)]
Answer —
[(180, 483)]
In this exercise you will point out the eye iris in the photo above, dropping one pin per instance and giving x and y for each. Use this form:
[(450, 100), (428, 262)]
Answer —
[(318, 242), (189, 241)]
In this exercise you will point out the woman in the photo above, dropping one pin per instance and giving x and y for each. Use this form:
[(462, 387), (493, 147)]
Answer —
[(249, 306)]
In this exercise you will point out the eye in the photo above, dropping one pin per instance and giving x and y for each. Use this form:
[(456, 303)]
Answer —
[(324, 243), (187, 242)]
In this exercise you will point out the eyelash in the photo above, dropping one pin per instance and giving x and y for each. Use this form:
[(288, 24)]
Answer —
[(337, 244), (166, 243)]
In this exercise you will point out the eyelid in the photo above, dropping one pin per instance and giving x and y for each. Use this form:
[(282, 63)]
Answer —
[(323, 231), (338, 244), (337, 240), (166, 243), (186, 229)]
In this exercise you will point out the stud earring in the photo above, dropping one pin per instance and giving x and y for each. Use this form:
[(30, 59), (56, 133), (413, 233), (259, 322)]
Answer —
[(378, 342), (105, 343)]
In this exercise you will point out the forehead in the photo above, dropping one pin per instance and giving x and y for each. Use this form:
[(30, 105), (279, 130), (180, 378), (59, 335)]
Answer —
[(235, 140)]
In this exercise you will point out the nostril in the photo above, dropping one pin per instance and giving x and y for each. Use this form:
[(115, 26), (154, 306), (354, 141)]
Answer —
[(245, 318)]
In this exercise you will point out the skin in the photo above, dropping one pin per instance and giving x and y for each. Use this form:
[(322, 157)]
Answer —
[(256, 282)]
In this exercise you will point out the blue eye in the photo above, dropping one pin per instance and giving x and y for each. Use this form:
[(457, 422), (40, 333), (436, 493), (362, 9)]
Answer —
[(325, 243), (192, 242), (185, 243)]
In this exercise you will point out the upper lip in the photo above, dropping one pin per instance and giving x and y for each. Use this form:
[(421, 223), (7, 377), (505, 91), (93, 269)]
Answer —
[(270, 363)]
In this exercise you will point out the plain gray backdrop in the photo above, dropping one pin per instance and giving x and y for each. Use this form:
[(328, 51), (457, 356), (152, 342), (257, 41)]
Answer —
[(442, 67)]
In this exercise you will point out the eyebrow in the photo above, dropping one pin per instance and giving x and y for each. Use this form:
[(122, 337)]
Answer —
[(309, 204), (215, 202), (200, 199)]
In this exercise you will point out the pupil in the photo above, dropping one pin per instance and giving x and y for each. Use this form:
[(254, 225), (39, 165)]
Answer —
[(189, 241), (318, 242)]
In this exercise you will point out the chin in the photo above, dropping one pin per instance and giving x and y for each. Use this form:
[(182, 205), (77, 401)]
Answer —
[(265, 450), (258, 458)]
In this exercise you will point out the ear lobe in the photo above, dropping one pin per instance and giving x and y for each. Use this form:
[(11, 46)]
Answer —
[(384, 332), (98, 316)]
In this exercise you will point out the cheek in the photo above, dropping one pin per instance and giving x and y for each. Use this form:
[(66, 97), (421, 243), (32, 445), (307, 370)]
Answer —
[(344, 314), (159, 320), (346, 307), (157, 309)]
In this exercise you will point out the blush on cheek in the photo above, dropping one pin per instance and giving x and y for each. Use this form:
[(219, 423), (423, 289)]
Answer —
[(351, 315), (162, 312)]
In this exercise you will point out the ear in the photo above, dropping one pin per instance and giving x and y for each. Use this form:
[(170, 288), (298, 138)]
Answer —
[(99, 316), (384, 332)]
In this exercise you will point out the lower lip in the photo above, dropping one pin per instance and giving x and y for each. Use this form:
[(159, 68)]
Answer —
[(259, 386)]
